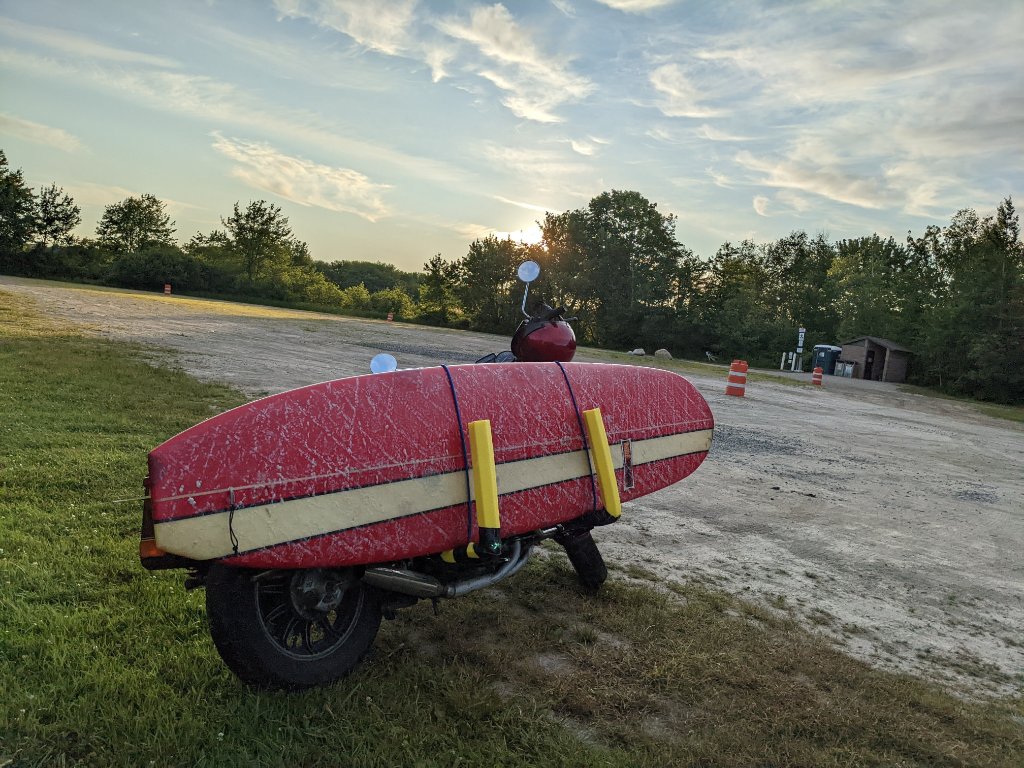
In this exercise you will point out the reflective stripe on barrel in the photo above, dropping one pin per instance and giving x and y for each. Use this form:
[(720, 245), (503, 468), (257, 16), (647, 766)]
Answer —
[(816, 376), (737, 383)]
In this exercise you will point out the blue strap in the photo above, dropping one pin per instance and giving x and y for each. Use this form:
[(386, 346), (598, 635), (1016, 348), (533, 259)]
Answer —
[(465, 455), (583, 431)]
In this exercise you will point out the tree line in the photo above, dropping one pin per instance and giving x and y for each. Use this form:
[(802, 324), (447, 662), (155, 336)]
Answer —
[(953, 295)]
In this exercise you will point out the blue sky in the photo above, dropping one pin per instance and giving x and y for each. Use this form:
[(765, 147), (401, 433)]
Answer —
[(392, 131)]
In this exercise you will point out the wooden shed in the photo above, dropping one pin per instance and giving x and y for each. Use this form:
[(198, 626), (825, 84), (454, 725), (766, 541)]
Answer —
[(876, 359)]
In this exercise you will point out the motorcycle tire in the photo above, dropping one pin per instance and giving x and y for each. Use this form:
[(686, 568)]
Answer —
[(270, 640), (585, 557)]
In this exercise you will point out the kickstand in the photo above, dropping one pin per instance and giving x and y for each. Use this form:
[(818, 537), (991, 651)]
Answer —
[(436, 602)]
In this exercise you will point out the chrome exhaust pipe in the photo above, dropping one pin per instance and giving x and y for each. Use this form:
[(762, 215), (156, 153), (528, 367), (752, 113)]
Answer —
[(421, 585), (404, 582)]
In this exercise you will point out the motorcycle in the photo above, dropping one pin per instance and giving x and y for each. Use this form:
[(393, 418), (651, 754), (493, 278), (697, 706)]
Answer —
[(297, 627)]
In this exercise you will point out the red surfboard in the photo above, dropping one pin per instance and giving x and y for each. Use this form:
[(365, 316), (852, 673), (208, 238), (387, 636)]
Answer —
[(374, 468)]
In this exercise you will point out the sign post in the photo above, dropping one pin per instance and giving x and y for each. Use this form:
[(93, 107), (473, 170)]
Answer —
[(799, 357)]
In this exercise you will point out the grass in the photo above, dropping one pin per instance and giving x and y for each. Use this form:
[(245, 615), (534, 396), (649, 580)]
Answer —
[(995, 410), (104, 664), (1007, 412)]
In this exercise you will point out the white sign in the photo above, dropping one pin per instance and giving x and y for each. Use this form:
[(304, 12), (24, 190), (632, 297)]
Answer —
[(800, 341)]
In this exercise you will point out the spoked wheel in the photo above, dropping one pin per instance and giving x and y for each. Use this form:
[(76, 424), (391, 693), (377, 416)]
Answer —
[(290, 629)]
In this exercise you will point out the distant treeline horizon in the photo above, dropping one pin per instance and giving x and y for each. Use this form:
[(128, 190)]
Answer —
[(953, 295)]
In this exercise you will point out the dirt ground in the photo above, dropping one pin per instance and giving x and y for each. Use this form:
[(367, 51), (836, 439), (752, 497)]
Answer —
[(893, 523)]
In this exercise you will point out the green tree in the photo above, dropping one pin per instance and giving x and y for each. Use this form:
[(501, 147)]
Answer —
[(632, 263), (260, 237), (17, 216), (151, 267), (798, 291), (84, 259), (135, 223), (393, 300), (617, 266), (973, 339), (222, 266), (565, 277), (439, 302), (374, 275), (690, 337), (355, 298), (303, 283), (737, 305), (56, 216), (487, 282), (881, 289)]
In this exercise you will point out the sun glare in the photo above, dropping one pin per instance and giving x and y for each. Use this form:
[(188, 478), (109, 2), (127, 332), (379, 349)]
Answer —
[(529, 236)]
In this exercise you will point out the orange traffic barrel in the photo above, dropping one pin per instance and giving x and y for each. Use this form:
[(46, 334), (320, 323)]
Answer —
[(816, 377), (737, 383)]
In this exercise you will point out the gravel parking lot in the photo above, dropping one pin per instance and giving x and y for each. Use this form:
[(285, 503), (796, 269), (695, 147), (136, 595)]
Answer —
[(891, 522)]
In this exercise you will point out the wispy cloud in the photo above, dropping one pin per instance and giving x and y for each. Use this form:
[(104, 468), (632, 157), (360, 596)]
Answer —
[(536, 83), (382, 27), (636, 6), (488, 43), (86, 193), (761, 205), (437, 56), (911, 94), (68, 44), (719, 179), (39, 133), (793, 200), (302, 181), (523, 205), (304, 63), (219, 103), (546, 170), (714, 134), (682, 98), (804, 171), (567, 8)]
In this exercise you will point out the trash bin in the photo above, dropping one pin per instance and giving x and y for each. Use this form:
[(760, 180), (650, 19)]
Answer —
[(825, 357)]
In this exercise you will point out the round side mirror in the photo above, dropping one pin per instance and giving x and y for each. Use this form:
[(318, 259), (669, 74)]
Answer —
[(528, 271), (383, 363)]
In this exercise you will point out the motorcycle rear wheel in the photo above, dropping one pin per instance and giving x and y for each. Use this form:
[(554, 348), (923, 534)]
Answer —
[(290, 629)]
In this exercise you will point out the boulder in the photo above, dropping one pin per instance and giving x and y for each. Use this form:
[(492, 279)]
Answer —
[(663, 353), (639, 352)]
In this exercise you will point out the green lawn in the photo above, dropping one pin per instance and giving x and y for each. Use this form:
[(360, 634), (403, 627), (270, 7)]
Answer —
[(102, 663)]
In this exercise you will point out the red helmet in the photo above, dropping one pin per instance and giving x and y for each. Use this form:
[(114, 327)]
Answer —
[(544, 341)]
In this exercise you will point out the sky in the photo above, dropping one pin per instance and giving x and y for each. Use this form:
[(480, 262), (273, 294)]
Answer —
[(393, 131)]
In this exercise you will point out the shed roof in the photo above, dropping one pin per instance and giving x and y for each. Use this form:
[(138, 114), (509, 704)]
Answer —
[(890, 345)]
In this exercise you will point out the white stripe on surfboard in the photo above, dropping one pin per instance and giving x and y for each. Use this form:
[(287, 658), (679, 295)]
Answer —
[(208, 537)]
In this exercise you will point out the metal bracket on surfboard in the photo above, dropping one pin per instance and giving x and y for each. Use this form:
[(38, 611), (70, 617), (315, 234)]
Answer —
[(485, 491)]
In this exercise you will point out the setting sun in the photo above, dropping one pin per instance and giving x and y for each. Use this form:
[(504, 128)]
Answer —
[(529, 236)]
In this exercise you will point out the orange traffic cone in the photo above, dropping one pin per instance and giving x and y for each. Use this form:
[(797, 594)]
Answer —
[(737, 383), (816, 377)]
